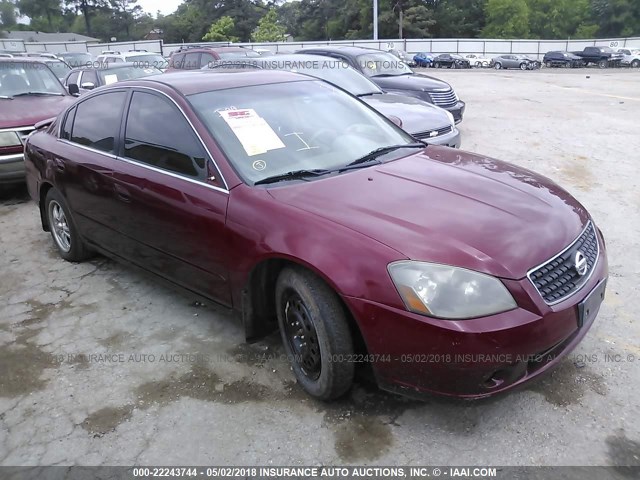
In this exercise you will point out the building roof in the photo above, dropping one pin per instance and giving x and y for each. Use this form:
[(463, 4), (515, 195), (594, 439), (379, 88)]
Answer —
[(33, 36)]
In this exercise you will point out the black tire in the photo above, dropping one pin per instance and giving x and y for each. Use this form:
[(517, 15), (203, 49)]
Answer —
[(63, 228), (478, 64), (498, 66), (635, 64), (437, 65), (602, 64), (523, 66), (310, 315), (547, 64)]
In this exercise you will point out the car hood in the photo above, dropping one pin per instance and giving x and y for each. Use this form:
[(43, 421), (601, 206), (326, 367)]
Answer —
[(451, 207), (416, 81), (416, 116), (27, 111)]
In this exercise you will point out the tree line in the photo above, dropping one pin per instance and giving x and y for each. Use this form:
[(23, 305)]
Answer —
[(270, 20)]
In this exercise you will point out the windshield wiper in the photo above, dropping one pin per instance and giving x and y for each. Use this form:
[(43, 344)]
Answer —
[(374, 154), (294, 175), (24, 94)]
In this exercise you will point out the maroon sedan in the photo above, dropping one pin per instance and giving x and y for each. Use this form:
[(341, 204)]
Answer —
[(448, 272)]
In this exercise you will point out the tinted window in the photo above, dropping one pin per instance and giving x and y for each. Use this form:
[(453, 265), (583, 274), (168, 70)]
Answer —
[(97, 121), (177, 60), (157, 134), (68, 124), (191, 61), (207, 59)]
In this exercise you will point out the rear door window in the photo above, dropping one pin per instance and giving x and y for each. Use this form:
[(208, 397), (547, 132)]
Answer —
[(97, 121), (191, 61)]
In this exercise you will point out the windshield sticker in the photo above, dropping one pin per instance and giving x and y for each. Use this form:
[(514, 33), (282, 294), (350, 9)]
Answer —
[(253, 132), (110, 78), (259, 165)]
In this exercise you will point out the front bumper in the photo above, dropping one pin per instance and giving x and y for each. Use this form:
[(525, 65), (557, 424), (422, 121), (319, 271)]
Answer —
[(416, 355), (12, 169)]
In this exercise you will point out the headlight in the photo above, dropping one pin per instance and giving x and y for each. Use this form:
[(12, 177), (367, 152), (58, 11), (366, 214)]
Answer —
[(449, 292), (9, 139)]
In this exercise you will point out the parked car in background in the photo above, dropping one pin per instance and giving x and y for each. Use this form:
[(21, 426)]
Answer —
[(36, 54), (29, 93), (603, 57), (139, 58), (82, 80), (512, 61), (76, 59), (421, 119), (404, 56), (6, 55), (478, 60), (58, 67), (423, 59), (630, 57), (199, 56), (263, 52), (394, 76), (325, 221), (451, 60), (562, 59)]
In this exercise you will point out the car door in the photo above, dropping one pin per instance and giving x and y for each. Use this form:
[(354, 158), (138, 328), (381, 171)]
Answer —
[(85, 160), (172, 200)]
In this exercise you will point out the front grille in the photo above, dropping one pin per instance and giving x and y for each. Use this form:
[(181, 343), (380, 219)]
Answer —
[(444, 98), (558, 278), (426, 135)]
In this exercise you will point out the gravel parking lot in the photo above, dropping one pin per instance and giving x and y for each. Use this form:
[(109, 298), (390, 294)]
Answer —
[(99, 365)]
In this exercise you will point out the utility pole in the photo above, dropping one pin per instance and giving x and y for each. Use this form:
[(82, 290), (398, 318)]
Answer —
[(375, 19), (400, 25)]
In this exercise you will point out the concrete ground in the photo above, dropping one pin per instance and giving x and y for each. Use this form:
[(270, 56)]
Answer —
[(99, 365)]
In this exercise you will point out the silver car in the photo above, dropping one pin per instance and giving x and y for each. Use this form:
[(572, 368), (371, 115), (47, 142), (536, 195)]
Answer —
[(512, 61)]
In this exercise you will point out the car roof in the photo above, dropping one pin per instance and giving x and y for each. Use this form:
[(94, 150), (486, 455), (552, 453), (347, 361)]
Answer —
[(199, 81), (109, 66), (348, 49), (26, 60)]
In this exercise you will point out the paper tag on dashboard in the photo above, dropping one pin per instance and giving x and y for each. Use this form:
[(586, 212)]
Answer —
[(109, 79), (253, 132)]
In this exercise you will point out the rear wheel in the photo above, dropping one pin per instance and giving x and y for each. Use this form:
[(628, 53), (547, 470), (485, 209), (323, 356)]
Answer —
[(437, 64), (63, 229), (602, 64), (547, 64), (478, 64), (635, 64), (315, 333)]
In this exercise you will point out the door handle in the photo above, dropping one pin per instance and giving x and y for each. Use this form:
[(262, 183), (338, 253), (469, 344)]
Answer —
[(122, 193), (59, 163)]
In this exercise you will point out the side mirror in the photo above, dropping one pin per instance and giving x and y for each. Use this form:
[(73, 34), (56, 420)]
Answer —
[(88, 85), (73, 89)]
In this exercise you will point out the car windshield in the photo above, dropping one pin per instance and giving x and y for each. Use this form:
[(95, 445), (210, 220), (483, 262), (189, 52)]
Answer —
[(76, 59), (238, 54), (28, 78), (321, 129), (151, 60), (129, 72), (333, 71), (607, 50), (382, 64), (60, 69)]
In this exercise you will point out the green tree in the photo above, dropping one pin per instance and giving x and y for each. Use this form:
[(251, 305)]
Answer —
[(7, 14), (268, 29), (506, 19), (38, 10), (616, 18), (221, 31), (559, 18), (458, 18)]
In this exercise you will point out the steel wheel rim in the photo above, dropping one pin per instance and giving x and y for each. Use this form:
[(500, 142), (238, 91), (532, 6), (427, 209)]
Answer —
[(60, 226), (301, 335)]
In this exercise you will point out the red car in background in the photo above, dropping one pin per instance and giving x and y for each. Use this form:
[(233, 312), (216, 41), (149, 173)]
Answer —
[(448, 272), (195, 57), (29, 93)]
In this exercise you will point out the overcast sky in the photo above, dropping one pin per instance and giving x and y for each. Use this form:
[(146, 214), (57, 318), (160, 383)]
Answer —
[(165, 6)]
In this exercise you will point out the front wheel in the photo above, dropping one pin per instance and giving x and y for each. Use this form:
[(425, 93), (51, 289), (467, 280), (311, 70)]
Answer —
[(478, 64), (63, 229), (498, 66), (523, 66), (315, 333), (635, 64), (602, 64), (437, 65)]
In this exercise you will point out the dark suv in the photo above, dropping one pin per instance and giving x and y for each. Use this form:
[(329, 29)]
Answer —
[(197, 56), (393, 75), (562, 59)]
